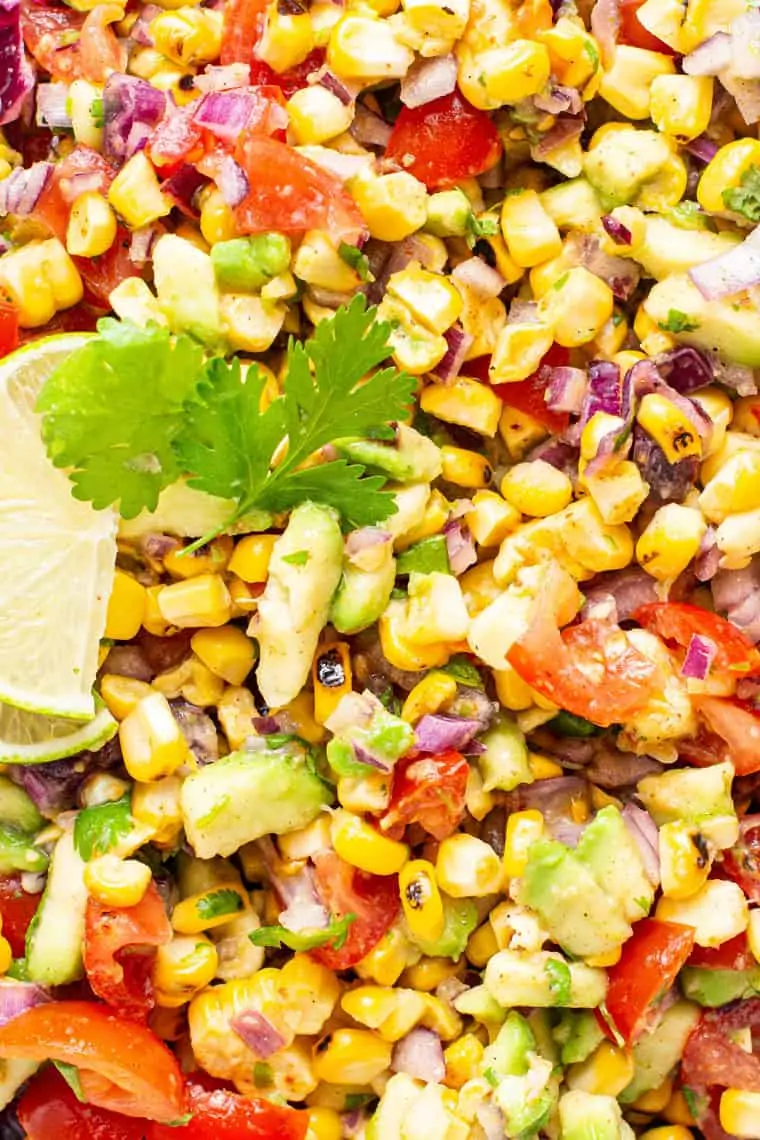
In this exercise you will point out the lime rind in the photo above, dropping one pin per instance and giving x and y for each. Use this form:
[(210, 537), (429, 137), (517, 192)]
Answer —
[(29, 738)]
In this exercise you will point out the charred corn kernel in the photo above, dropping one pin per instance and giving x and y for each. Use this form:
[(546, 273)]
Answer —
[(464, 402), (116, 882), (154, 620), (677, 1110), (157, 805), (543, 767), (211, 908), (151, 740), (529, 231), (353, 1056), (725, 172), (655, 1100), (367, 49), (519, 350), (681, 105), (121, 694), (217, 220), (505, 74), (365, 793), (463, 1060), (427, 974), (428, 696), (92, 226), (669, 427), (685, 860), (491, 518), (578, 305), (287, 38), (332, 676), (735, 488), (227, 652), (668, 1132), (670, 541), (431, 298), (324, 1124), (135, 193), (524, 828), (605, 1073), (364, 847), (467, 867), (393, 205), (83, 103), (536, 489), (201, 601), (317, 261), (627, 85), (465, 468), (189, 36), (718, 912), (421, 899), (251, 557), (126, 607), (182, 968), (481, 946), (619, 493), (210, 559), (400, 650)]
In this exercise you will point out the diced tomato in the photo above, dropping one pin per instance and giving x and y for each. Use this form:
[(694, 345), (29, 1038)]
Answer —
[(742, 862), (676, 623), (648, 967), (527, 395), (119, 949), (711, 1059), (17, 909), (54, 203), (292, 80), (241, 30), (49, 1110), (48, 34), (374, 899), (430, 791), (80, 318), (100, 52), (737, 723), (102, 274), (176, 139), (222, 1115), (122, 1065), (633, 32), (8, 327), (444, 141), (291, 194), (732, 955)]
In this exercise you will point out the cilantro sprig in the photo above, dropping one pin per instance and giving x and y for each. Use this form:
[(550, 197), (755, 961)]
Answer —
[(135, 408), (745, 198), (275, 936)]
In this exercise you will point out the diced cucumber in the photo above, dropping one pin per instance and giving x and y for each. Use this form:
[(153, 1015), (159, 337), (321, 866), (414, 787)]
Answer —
[(54, 940)]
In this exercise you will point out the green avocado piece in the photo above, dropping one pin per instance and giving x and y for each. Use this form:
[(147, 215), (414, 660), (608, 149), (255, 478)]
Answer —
[(525, 1113), (507, 1055), (726, 326), (657, 1053), (578, 1033), (621, 162), (17, 808), (244, 264), (719, 987), (585, 1116), (609, 851), (504, 764), (386, 737), (363, 594), (428, 556), (187, 290), (448, 213), (692, 794), (18, 854), (460, 919), (668, 249), (409, 458)]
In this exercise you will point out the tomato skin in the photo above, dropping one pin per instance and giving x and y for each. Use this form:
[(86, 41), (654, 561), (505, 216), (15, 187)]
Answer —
[(45, 31), (527, 395), (8, 327), (49, 1110), (430, 791), (732, 955), (241, 30), (678, 622), (742, 862), (119, 948), (290, 81), (17, 909), (374, 899), (447, 139), (633, 32), (54, 203), (102, 274), (648, 967), (738, 725), (122, 1065), (222, 1115)]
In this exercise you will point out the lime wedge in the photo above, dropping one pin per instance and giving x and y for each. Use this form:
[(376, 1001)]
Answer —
[(58, 555), (28, 738)]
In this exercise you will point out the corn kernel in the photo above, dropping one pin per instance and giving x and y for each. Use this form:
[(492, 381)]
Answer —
[(463, 1060), (481, 946), (157, 805), (92, 226), (210, 559), (537, 489), (655, 1100), (324, 1124), (578, 305), (605, 1073), (151, 740), (491, 518), (188, 36), (681, 105), (504, 74), (421, 899), (427, 974), (227, 652), (465, 468), (135, 193), (735, 488), (467, 867), (153, 620), (393, 205), (530, 233), (201, 601), (183, 967), (367, 49), (617, 493), (669, 427), (126, 607), (364, 847), (86, 125), (524, 828), (217, 220), (209, 909), (116, 882), (725, 172), (627, 85), (677, 1110), (428, 696), (670, 541), (685, 860), (355, 1056), (672, 1132), (518, 352), (543, 767), (121, 694), (251, 557), (718, 912)]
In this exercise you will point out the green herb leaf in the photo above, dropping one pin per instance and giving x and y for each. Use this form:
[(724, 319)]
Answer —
[(216, 903), (689, 215), (298, 558), (568, 724), (276, 936), (560, 980), (98, 829), (592, 53), (678, 322), (486, 226), (463, 671), (356, 259), (96, 110), (112, 410), (356, 1100), (425, 557), (263, 1075), (492, 1077), (745, 198), (180, 1122), (70, 1074), (560, 281)]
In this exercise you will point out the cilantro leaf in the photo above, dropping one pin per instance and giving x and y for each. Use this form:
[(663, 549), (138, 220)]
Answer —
[(263, 1075), (356, 259), (559, 979), (745, 198), (491, 1076), (223, 901), (98, 829), (276, 936), (112, 409), (70, 1074), (463, 671), (678, 322), (485, 226), (298, 558)]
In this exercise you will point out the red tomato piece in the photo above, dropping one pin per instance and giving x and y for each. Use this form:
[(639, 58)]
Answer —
[(102, 274), (678, 622), (711, 1058), (732, 955), (444, 141), (527, 395), (48, 33), (80, 318), (291, 194), (119, 948), (222, 1115), (742, 862), (738, 725), (430, 791), (8, 327), (241, 30), (648, 967), (17, 909), (122, 1065), (292, 80), (49, 1110), (176, 139), (54, 203), (100, 52), (633, 32), (374, 899)]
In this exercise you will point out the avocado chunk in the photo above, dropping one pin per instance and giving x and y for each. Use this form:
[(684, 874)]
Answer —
[(365, 588), (504, 764), (579, 914), (507, 1055), (304, 573), (448, 214), (544, 979), (656, 1054), (480, 1004), (525, 1105), (460, 917), (622, 161), (409, 458), (18, 854), (718, 987), (578, 1033), (726, 326), (55, 938), (249, 794), (189, 513), (365, 727), (668, 249), (17, 808), (586, 1116), (428, 556), (609, 851), (243, 265), (186, 288), (701, 796)]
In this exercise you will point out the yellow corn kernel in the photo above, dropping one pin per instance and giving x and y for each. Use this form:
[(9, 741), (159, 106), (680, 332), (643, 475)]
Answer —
[(665, 189), (429, 695), (685, 860), (101, 788), (364, 48), (157, 805), (465, 468), (529, 231), (211, 908), (618, 493), (217, 220), (604, 961), (592, 542), (353, 1056), (725, 172), (236, 710), (317, 261), (655, 1100), (365, 793), (392, 205), (251, 557), (506, 74), (753, 933), (718, 911), (612, 336), (427, 974), (287, 39), (524, 828), (392, 1012), (537, 489), (121, 694), (317, 115), (188, 37), (300, 713), (720, 408), (154, 620), (605, 1073), (735, 488), (201, 601), (681, 105), (670, 541), (677, 1110), (669, 427), (463, 1061), (668, 1132), (227, 652), (431, 298), (244, 598), (512, 692), (126, 607), (467, 867), (183, 967), (491, 518), (250, 323), (324, 1124), (61, 273), (465, 402), (481, 946), (6, 956), (151, 740), (23, 281), (82, 101), (578, 305), (116, 882), (387, 960), (543, 767), (574, 53), (519, 350), (309, 990), (92, 226), (433, 520), (400, 650), (192, 680), (364, 847), (135, 193), (626, 86), (600, 425), (332, 676), (212, 558), (421, 899)]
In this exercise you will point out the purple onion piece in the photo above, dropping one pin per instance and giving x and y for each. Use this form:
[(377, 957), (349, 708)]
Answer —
[(266, 725), (436, 732), (685, 368), (364, 756), (198, 730), (232, 181), (52, 99), (459, 546), (18, 997), (644, 830), (16, 75), (565, 389), (459, 343), (566, 128), (257, 1032), (429, 79), (225, 113), (708, 556), (183, 185), (604, 393), (702, 148), (332, 84), (615, 229), (420, 1055), (132, 109), (712, 56), (480, 277), (730, 272), (700, 655)]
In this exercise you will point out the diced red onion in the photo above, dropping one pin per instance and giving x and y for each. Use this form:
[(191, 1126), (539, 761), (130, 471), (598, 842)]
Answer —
[(736, 376), (225, 78), (711, 57), (685, 368), (352, 710), (353, 1124), (132, 108), (702, 148), (328, 298), (141, 244), (605, 26), (630, 589), (644, 830), (420, 1055), (459, 546), (566, 128), (708, 557), (266, 725), (480, 277), (18, 997), (304, 910), (491, 1120), (232, 181), (429, 79), (553, 798), (365, 548), (558, 100), (436, 732), (459, 343), (369, 129), (363, 756), (604, 392), (700, 655), (336, 87), (20, 191), (81, 183), (736, 593), (523, 313), (616, 230), (225, 113), (566, 389), (560, 453), (16, 75), (52, 100), (140, 30), (621, 273), (257, 1032), (745, 45), (183, 185), (729, 272), (612, 769)]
